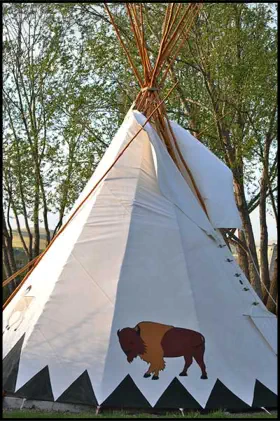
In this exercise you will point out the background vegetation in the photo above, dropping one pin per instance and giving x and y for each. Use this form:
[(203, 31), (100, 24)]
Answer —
[(68, 86)]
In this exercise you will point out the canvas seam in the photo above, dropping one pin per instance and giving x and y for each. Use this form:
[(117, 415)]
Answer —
[(120, 274), (194, 304), (126, 208), (90, 276)]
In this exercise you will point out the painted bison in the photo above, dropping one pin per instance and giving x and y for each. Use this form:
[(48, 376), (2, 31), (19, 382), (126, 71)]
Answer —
[(154, 341)]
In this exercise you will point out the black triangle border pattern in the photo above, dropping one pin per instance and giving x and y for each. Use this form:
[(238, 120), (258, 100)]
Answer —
[(177, 396), (264, 396), (126, 395), (79, 392), (221, 397), (30, 390), (38, 387), (10, 365)]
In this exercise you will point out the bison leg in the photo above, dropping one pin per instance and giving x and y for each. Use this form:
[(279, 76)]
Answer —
[(148, 373), (156, 368), (188, 361), (198, 356), (152, 369), (155, 358)]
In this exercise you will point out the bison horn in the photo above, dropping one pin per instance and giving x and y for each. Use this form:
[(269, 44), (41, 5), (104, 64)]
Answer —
[(118, 332), (137, 328)]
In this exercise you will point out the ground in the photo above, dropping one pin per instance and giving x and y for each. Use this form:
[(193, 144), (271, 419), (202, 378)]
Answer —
[(123, 414)]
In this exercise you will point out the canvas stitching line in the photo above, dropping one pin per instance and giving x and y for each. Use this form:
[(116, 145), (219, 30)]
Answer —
[(119, 277), (196, 313), (117, 198), (104, 293)]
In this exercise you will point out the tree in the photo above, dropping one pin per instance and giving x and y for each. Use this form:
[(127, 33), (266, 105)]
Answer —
[(232, 50), (51, 140)]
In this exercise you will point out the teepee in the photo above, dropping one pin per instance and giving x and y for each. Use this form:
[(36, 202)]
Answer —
[(138, 302)]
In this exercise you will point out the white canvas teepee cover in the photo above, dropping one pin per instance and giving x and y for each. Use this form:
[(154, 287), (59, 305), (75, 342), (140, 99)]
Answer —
[(142, 249)]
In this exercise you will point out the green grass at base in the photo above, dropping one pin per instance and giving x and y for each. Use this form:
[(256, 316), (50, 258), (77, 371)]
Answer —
[(123, 414)]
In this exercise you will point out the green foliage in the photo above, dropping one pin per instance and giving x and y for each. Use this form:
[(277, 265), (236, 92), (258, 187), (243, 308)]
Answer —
[(68, 86)]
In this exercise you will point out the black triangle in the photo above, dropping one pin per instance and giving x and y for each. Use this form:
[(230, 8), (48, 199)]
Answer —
[(176, 396), (263, 397), (79, 392), (126, 395), (10, 366), (38, 387), (222, 398)]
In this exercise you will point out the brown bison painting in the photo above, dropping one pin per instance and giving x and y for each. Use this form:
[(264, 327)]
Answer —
[(154, 341)]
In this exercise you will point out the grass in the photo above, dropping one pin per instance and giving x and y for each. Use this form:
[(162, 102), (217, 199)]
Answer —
[(123, 414), (18, 244)]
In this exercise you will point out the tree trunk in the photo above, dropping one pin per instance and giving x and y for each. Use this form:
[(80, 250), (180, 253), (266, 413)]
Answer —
[(36, 220), (242, 256), (253, 264), (264, 264), (20, 233), (7, 268), (272, 259), (65, 189), (271, 306), (8, 243), (45, 208), (8, 255), (21, 189)]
